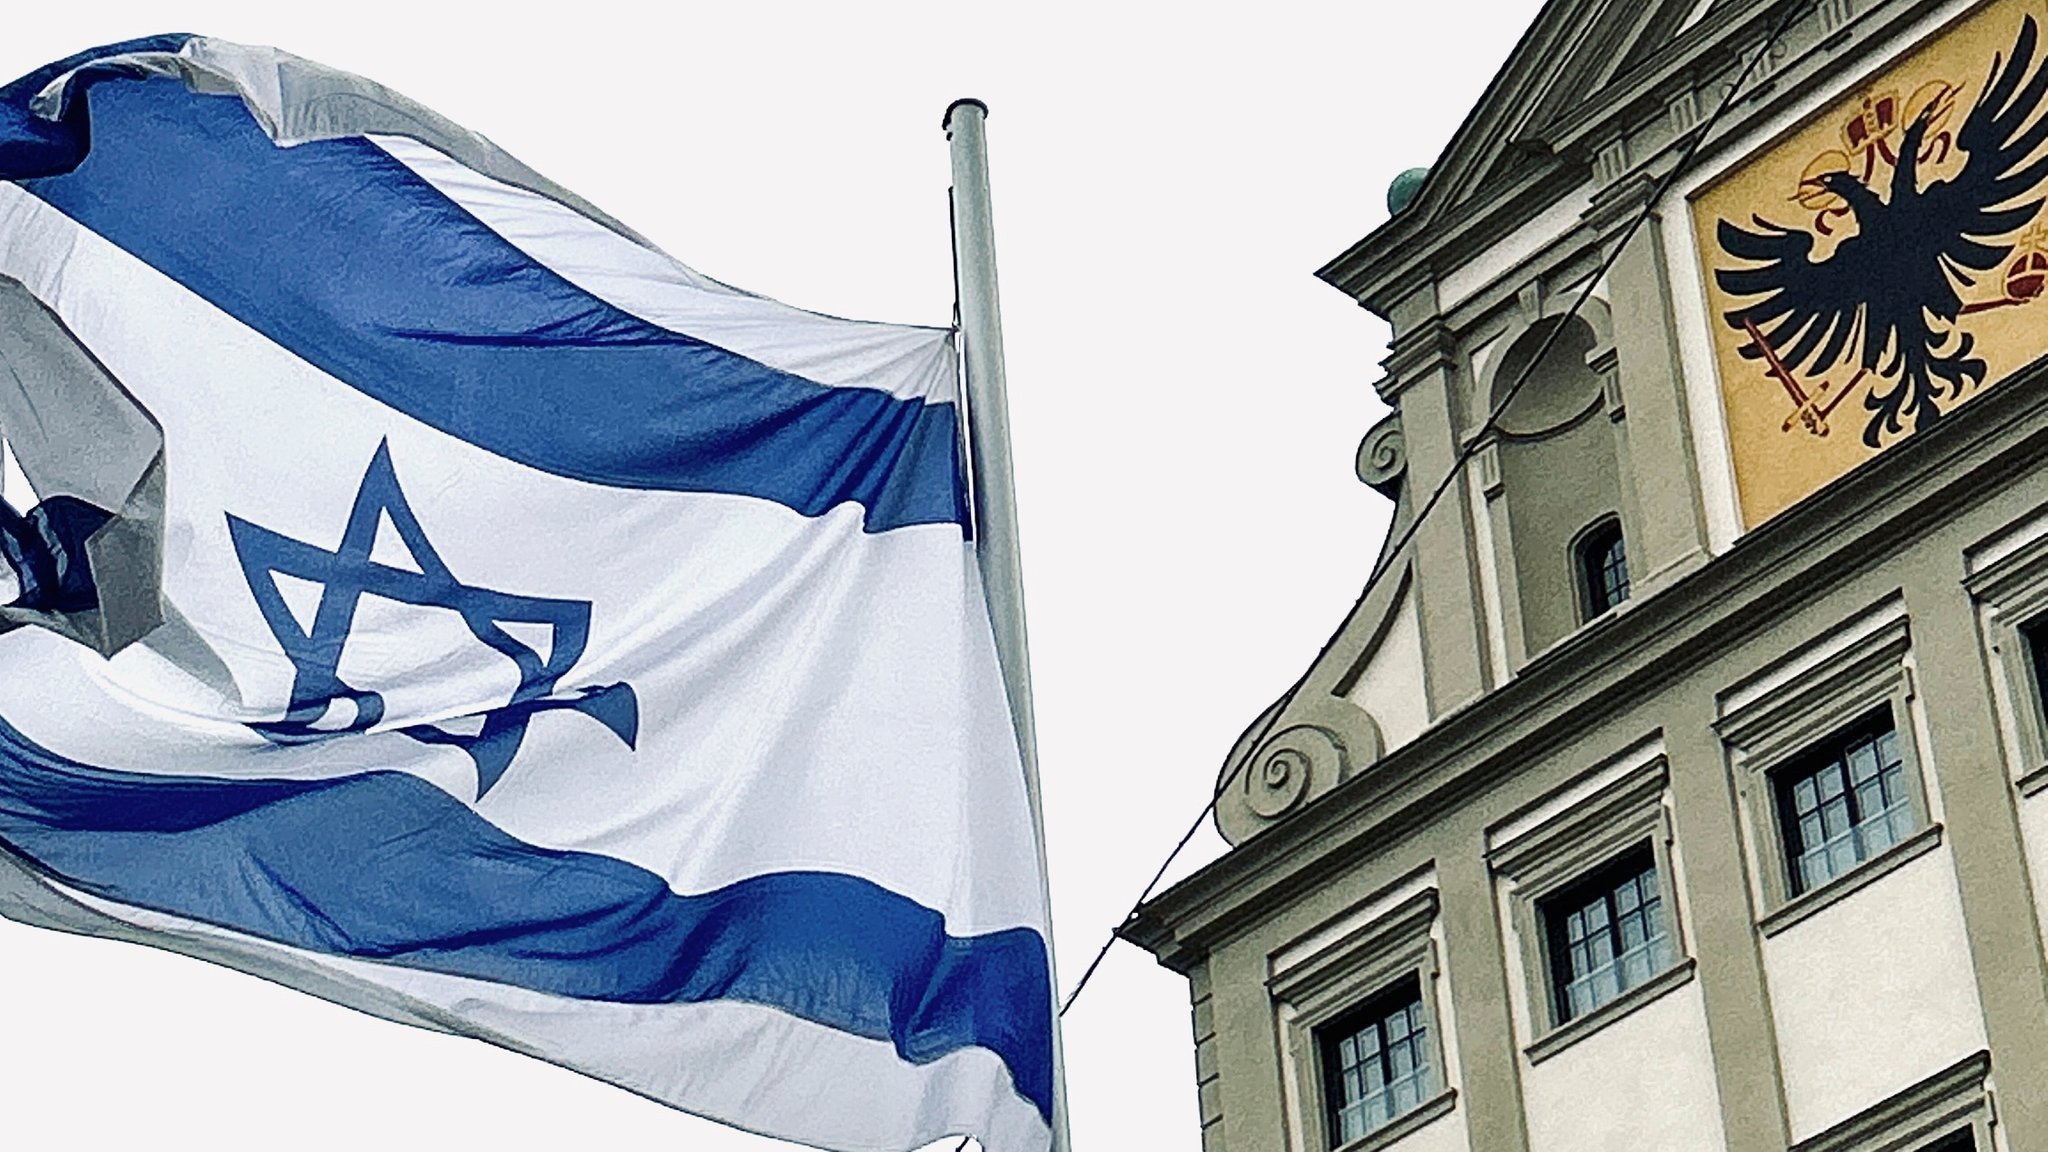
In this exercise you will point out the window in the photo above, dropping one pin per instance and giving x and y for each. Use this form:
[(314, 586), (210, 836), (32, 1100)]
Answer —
[(1585, 874), (1376, 1064), (1823, 745), (1354, 999), (1603, 568), (1844, 803), (1549, 466), (1605, 934)]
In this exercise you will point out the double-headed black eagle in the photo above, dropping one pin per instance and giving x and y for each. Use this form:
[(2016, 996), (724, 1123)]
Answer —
[(1887, 298)]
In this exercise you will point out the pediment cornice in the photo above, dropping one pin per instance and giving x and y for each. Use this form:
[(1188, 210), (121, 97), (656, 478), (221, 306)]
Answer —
[(1588, 73)]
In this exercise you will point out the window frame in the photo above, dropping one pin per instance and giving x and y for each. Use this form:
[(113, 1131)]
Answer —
[(1344, 976), (1620, 816), (1404, 995), (2011, 593), (1777, 719), (1832, 751), (1586, 582), (2033, 635), (1601, 882)]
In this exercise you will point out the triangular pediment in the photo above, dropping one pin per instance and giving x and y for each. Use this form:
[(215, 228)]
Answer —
[(1579, 58), (1575, 53), (1670, 19)]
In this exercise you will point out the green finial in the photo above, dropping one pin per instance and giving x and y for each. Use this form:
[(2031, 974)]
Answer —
[(1401, 192)]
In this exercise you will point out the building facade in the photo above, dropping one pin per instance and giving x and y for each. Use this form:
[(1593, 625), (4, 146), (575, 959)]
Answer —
[(1680, 781)]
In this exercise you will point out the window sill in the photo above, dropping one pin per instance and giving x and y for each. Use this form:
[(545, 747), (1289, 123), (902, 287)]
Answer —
[(1571, 1032), (1434, 1108), (1853, 881), (2033, 782)]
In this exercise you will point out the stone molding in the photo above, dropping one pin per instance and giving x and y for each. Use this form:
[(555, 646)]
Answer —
[(1825, 541), (1383, 457)]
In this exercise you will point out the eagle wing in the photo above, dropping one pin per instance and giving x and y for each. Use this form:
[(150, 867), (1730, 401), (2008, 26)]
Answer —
[(1884, 281), (1996, 192), (1809, 309)]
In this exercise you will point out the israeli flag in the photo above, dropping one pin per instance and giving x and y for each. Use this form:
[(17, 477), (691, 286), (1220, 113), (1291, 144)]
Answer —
[(425, 593)]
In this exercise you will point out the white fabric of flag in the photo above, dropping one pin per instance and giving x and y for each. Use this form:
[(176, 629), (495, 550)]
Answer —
[(435, 598)]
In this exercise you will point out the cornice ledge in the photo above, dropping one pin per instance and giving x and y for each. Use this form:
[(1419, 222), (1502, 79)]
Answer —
[(1619, 204), (1416, 353), (1630, 97), (1427, 236), (1401, 255), (1156, 934), (1819, 544), (1486, 125), (1426, 233), (1645, 99)]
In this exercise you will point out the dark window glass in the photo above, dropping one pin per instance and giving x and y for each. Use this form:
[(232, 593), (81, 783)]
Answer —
[(1963, 1141), (1843, 804), (1376, 1063), (1606, 934), (1603, 568)]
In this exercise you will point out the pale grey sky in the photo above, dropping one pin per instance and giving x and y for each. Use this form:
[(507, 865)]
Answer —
[(1186, 400)]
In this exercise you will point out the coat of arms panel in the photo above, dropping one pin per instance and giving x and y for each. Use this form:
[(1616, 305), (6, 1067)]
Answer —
[(1885, 260)]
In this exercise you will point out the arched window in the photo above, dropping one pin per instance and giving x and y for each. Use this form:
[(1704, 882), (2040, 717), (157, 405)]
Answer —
[(1603, 568)]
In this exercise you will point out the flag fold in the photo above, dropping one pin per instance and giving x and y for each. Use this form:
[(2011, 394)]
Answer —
[(429, 595)]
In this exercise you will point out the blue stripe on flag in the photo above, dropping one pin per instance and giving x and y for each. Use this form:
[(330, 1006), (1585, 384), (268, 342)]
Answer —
[(384, 866), (33, 146), (344, 256)]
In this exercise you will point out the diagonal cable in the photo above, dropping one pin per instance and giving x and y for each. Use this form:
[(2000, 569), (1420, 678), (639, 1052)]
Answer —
[(1464, 456)]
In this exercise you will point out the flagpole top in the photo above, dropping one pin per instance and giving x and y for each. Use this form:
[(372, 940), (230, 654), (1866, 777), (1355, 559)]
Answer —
[(947, 123)]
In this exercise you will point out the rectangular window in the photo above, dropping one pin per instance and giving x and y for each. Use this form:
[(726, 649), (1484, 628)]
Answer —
[(1376, 1063), (1843, 803), (1606, 934), (1825, 749)]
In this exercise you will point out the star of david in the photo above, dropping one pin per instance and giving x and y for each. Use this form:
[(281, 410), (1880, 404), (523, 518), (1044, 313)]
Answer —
[(347, 574)]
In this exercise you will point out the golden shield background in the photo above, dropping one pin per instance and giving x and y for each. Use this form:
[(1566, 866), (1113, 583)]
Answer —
[(1779, 457)]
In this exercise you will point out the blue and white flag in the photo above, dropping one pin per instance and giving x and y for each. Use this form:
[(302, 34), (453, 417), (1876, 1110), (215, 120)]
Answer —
[(435, 598)]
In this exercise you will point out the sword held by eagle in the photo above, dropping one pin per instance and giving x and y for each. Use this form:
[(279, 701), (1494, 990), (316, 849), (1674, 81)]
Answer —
[(1888, 297)]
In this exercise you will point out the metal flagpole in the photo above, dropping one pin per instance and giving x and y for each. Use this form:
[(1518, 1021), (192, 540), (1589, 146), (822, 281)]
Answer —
[(995, 492)]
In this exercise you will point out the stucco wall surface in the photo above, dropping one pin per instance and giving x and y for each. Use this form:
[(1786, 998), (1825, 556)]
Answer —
[(1872, 994), (1645, 1081), (1446, 1134), (1390, 687), (2034, 831)]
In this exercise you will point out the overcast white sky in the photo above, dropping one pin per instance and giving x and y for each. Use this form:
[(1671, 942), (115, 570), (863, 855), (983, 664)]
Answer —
[(1186, 401)]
